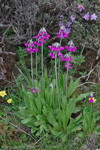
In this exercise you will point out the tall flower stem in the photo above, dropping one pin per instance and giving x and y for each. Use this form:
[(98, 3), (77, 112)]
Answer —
[(36, 64), (67, 81), (59, 58), (42, 61), (53, 96), (32, 68), (57, 80)]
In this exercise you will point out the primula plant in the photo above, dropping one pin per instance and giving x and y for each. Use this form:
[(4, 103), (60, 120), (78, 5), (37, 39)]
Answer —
[(51, 102), (49, 105)]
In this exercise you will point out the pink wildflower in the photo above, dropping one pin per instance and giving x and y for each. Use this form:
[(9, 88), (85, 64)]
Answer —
[(86, 16), (56, 47), (39, 90), (71, 47), (93, 16), (72, 18), (68, 65), (31, 47), (81, 7), (62, 32), (41, 37)]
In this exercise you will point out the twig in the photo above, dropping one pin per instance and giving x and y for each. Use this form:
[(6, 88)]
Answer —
[(40, 139), (7, 53), (87, 83), (2, 39), (18, 128), (89, 73)]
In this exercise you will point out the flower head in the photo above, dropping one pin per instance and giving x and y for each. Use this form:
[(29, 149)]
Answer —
[(67, 58), (68, 30), (9, 100), (92, 100), (61, 23), (51, 85), (60, 55), (35, 89), (31, 47), (72, 18), (93, 16), (70, 46), (81, 7), (56, 47), (69, 24), (61, 16), (39, 90), (68, 65), (41, 37), (62, 32), (86, 16), (3, 93)]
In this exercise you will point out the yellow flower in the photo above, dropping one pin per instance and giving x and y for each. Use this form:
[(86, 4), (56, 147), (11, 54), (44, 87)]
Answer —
[(94, 100), (3, 93), (9, 100)]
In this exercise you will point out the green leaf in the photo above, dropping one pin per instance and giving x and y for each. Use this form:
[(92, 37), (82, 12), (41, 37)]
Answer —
[(25, 121), (93, 122), (72, 87), (38, 104), (70, 108), (82, 96), (52, 120), (34, 129)]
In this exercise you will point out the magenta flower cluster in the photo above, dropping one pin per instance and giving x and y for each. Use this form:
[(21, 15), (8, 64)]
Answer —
[(56, 48), (41, 37), (31, 47), (62, 33), (35, 89), (72, 49), (67, 58)]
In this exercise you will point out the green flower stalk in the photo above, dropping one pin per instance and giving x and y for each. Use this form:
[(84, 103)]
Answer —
[(40, 40), (62, 34), (32, 49), (57, 80), (42, 60), (32, 68)]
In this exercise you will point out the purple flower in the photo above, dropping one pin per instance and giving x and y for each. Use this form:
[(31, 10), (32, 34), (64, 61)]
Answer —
[(70, 46), (69, 24), (56, 47), (34, 89), (26, 44), (61, 23), (67, 58), (39, 90), (68, 65), (86, 16), (68, 30), (93, 16), (61, 16), (31, 47), (81, 7), (53, 57), (60, 55), (72, 18), (41, 37), (62, 32)]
